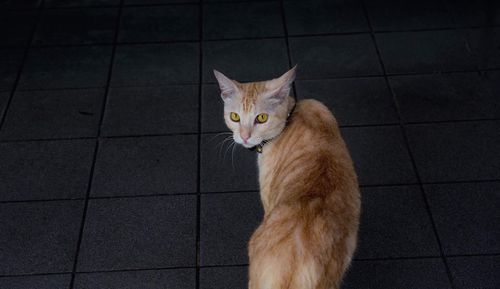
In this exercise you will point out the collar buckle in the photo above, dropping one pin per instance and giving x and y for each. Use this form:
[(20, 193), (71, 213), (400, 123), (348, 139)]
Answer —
[(257, 148)]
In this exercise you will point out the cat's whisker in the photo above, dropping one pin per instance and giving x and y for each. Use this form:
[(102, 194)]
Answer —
[(223, 141), (219, 134), (221, 145), (227, 149), (232, 155)]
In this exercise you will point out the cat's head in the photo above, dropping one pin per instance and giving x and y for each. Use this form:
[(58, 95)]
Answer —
[(256, 111)]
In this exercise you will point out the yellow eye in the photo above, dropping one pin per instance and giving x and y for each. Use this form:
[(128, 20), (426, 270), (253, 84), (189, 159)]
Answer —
[(261, 118), (234, 117)]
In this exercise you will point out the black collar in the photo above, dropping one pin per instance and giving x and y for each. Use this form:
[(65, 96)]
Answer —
[(258, 148)]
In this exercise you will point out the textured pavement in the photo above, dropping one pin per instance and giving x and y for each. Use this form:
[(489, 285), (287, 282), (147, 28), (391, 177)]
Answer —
[(114, 172)]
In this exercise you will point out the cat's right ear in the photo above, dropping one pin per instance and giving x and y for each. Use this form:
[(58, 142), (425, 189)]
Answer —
[(228, 89)]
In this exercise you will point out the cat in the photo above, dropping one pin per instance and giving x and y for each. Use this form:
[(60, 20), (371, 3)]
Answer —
[(308, 186)]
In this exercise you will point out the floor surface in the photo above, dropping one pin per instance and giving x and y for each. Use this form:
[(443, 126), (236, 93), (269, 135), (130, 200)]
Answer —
[(113, 171)]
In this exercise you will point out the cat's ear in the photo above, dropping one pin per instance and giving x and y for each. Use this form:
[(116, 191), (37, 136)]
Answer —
[(228, 88), (280, 87)]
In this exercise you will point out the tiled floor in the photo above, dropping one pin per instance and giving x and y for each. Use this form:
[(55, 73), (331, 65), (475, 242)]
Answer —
[(114, 172)]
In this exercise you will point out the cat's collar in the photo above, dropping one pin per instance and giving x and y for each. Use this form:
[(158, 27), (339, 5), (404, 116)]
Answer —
[(257, 148)]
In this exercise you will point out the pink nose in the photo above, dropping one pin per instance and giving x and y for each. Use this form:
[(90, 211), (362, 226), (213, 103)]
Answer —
[(245, 136)]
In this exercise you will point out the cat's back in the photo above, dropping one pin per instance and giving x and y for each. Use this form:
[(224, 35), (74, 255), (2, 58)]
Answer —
[(309, 157), (314, 115), (311, 128)]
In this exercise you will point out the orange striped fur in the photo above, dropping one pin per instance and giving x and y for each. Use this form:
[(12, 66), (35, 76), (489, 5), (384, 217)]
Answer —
[(308, 188)]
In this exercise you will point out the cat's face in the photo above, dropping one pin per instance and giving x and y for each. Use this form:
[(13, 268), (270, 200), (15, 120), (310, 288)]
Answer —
[(256, 111)]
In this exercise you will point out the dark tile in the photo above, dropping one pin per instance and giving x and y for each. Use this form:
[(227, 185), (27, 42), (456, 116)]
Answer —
[(209, 1), (16, 27), (80, 3), (159, 23), (245, 60), (395, 224), (475, 272), (76, 26), (36, 282), (491, 81), (148, 165), (150, 279), (413, 273), (53, 114), (485, 45), (334, 56), (443, 97), (66, 67), (224, 277), (456, 151), (380, 155), (475, 13), (148, 2), (465, 217), (390, 15), (4, 98), (324, 16), (156, 64), (10, 63), (151, 110), (45, 170), (19, 4), (226, 168), (39, 237), (139, 233), (239, 20), (404, 52), (227, 223), (212, 110), (356, 101)]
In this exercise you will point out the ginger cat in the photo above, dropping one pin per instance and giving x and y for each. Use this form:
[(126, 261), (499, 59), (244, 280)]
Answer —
[(308, 185)]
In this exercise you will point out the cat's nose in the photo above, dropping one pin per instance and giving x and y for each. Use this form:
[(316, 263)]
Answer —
[(245, 135)]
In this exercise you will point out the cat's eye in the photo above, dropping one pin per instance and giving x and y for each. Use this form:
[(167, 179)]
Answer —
[(234, 117), (262, 118)]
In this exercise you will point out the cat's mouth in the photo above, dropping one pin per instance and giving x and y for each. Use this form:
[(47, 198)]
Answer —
[(247, 144)]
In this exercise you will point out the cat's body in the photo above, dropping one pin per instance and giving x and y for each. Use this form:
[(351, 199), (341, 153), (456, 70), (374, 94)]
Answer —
[(308, 188), (311, 201)]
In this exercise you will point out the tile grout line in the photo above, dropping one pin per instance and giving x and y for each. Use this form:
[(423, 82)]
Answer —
[(97, 146), (407, 144), (361, 76), (27, 48), (198, 168), (387, 259), (132, 43), (237, 192), (287, 43)]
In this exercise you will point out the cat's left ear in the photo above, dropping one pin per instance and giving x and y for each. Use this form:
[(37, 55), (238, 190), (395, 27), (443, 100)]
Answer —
[(280, 87), (228, 87)]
